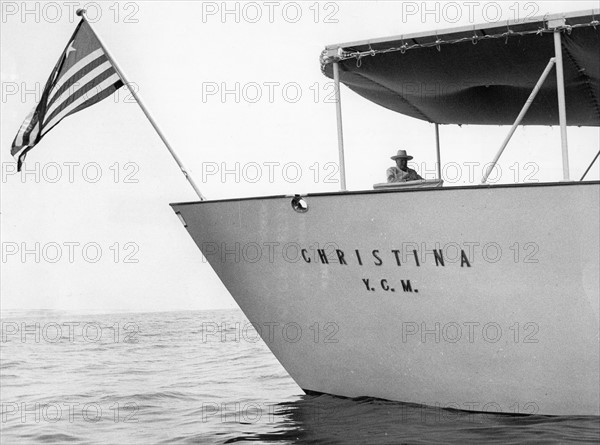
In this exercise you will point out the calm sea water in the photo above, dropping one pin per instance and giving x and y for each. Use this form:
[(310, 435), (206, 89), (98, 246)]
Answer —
[(158, 378)]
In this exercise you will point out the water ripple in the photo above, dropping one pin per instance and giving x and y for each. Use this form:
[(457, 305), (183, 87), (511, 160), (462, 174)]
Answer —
[(167, 382)]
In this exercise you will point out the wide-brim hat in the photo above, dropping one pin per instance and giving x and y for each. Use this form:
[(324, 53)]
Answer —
[(402, 155)]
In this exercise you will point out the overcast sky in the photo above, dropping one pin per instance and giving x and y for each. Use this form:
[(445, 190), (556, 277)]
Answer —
[(90, 228)]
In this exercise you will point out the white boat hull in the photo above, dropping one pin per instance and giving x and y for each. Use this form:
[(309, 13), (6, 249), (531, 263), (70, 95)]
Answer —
[(509, 323)]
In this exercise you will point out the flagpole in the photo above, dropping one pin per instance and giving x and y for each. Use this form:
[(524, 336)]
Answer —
[(81, 13)]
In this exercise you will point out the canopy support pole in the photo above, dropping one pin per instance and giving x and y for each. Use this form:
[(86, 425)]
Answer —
[(562, 109), (340, 132), (437, 148), (81, 12), (590, 166), (520, 117)]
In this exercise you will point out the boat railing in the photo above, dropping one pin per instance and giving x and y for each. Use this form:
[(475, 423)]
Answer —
[(422, 183)]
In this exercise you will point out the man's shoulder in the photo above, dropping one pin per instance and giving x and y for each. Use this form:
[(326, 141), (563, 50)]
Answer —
[(392, 171), (413, 173)]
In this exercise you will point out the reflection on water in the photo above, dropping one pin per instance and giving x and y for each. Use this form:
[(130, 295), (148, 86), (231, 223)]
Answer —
[(336, 420)]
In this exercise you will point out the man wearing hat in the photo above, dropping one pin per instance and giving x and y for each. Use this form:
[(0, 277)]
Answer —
[(401, 172)]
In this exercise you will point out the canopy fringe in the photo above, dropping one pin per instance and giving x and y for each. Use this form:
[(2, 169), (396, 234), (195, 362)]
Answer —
[(344, 54)]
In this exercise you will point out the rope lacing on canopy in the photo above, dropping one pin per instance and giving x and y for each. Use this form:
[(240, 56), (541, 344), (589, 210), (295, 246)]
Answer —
[(343, 54)]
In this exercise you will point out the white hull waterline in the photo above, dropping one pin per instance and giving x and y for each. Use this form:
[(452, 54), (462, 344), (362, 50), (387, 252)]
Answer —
[(360, 295)]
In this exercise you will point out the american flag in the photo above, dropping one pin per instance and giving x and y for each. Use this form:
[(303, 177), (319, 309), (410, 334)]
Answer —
[(82, 77)]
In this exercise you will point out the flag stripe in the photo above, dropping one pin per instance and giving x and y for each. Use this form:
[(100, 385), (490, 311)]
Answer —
[(102, 95), (19, 151), (21, 134), (57, 93), (30, 127), (81, 99), (97, 98), (33, 134), (75, 68), (84, 91), (21, 157), (62, 101)]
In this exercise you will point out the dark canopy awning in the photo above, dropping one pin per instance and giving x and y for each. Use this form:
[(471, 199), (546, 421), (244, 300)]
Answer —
[(480, 74)]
